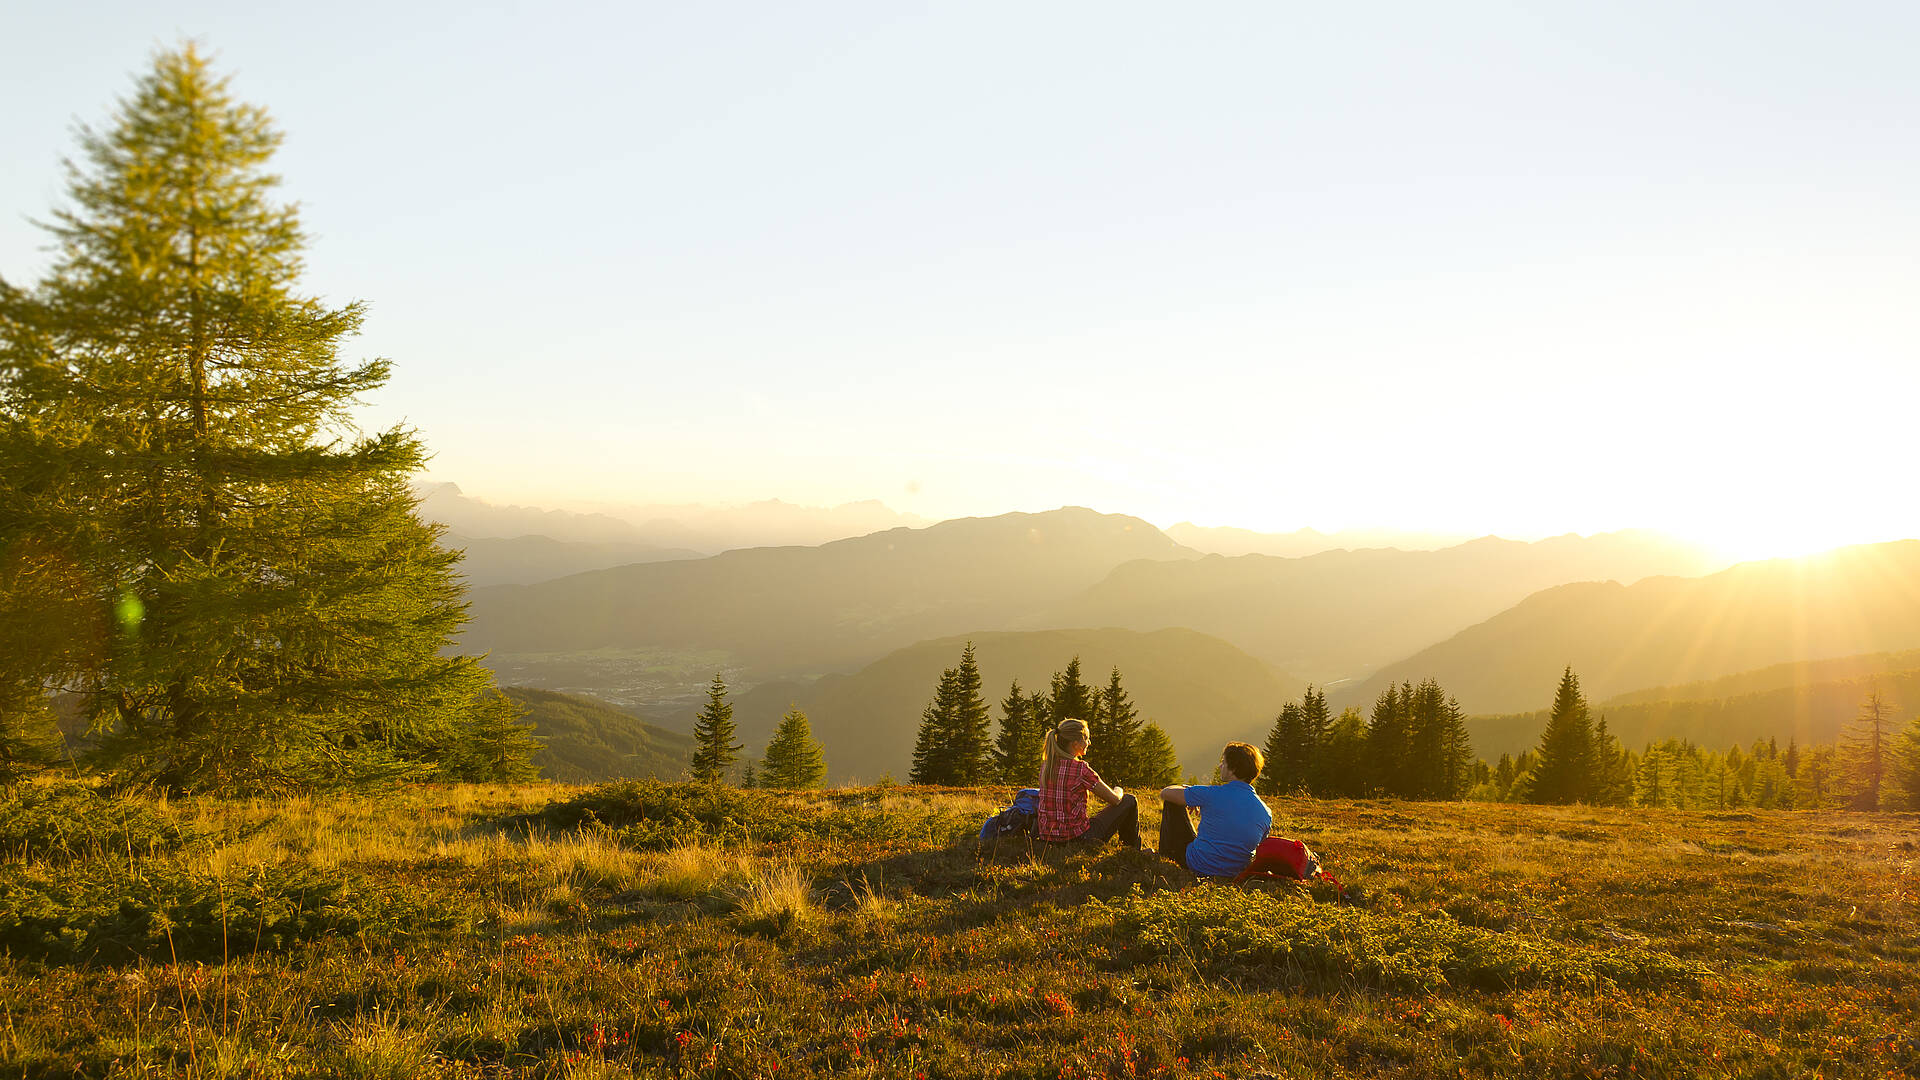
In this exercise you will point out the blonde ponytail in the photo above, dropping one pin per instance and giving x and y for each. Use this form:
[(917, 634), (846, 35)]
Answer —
[(1053, 750)]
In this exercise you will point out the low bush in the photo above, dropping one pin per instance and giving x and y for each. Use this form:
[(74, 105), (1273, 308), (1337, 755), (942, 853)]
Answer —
[(62, 822), (649, 815), (78, 913), (1221, 926)]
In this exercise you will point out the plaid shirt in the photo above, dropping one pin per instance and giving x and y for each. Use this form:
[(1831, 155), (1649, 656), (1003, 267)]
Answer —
[(1063, 803)]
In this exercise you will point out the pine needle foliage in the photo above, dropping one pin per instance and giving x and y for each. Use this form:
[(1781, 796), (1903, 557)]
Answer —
[(1023, 724), (1157, 763), (262, 609), (794, 758), (714, 749), (1564, 766)]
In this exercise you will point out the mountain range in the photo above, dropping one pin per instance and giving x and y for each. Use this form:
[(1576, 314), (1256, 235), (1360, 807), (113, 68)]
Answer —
[(1226, 540), (1668, 630), (1202, 691)]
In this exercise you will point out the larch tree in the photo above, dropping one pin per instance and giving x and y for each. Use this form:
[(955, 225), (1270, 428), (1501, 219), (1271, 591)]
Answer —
[(264, 610), (1158, 765), (794, 759), (714, 750), (1864, 753)]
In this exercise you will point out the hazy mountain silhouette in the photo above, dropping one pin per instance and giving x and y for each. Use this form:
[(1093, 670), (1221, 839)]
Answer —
[(1229, 541), (524, 560), (769, 523), (833, 607), (1665, 631), (1341, 613), (1810, 702), (1201, 690), (477, 518), (584, 740)]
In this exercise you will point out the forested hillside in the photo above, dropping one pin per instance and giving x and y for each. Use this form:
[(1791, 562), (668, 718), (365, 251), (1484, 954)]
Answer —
[(1343, 613), (583, 740), (1200, 689), (1705, 713), (1664, 631), (830, 607)]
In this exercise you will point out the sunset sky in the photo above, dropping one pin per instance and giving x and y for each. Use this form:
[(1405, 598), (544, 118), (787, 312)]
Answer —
[(1464, 267)]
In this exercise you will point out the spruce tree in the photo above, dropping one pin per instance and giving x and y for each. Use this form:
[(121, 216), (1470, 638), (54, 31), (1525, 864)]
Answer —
[(1070, 699), (1283, 774), (1114, 755), (932, 749), (1314, 724), (1906, 762), (970, 747), (1564, 770), (714, 750), (794, 759), (1390, 741), (1612, 771), (1343, 756), (1158, 765), (175, 422), (1016, 750)]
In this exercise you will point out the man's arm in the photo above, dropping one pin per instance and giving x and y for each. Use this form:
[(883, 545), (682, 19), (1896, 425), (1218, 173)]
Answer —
[(1177, 794)]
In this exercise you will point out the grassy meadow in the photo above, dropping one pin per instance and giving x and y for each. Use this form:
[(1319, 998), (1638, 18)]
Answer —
[(661, 930)]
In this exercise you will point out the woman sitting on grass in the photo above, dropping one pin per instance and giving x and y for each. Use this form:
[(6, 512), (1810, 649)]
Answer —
[(1065, 781), (1233, 820)]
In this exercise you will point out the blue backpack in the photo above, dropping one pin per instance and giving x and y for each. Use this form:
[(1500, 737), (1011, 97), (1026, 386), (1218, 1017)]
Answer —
[(1015, 820)]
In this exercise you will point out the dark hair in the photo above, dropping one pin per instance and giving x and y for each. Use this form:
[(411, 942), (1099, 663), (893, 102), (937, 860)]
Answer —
[(1245, 761)]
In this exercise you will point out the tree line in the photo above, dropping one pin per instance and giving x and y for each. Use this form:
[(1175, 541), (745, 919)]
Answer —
[(200, 553), (1875, 765), (956, 743), (1413, 745)]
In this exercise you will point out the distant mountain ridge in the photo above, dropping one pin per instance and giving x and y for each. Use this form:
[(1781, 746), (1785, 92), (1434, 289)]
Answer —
[(832, 607), (583, 740), (526, 560), (1340, 614), (1230, 541), (1666, 631), (1201, 690)]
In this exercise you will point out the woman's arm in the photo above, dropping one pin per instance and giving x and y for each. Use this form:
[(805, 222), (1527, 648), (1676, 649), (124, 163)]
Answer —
[(1104, 793)]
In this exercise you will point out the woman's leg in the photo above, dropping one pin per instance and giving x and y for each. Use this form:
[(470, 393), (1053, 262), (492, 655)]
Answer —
[(1122, 817), (1176, 832)]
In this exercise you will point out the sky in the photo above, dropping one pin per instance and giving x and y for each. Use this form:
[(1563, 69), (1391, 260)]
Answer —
[(1474, 267)]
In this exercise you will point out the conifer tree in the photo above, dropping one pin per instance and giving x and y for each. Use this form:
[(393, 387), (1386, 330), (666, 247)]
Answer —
[(1016, 750), (971, 745), (1070, 699), (175, 424), (932, 752), (29, 739), (1283, 774), (1612, 771), (1906, 763), (1390, 741), (1314, 724), (714, 749), (1863, 753), (793, 759), (1564, 772), (1158, 765), (1343, 756), (1117, 726)]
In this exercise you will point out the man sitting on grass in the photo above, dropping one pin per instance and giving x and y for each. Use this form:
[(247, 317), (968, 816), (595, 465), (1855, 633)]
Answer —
[(1233, 820)]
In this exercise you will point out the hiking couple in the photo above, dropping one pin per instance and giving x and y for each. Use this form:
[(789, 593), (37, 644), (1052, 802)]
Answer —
[(1233, 820)]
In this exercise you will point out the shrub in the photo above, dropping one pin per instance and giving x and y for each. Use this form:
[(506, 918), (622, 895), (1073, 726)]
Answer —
[(77, 913), (62, 822), (1221, 926), (649, 815)]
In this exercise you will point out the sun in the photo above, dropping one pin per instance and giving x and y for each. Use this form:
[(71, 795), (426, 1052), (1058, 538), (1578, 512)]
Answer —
[(1787, 539)]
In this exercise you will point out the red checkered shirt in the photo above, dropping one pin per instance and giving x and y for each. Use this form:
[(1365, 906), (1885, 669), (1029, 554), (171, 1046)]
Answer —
[(1063, 803)]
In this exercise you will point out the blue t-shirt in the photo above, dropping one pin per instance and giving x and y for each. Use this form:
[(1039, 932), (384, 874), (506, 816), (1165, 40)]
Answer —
[(1233, 821)]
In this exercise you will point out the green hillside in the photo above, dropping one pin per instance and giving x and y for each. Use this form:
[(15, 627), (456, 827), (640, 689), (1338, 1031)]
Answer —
[(832, 607), (1202, 690), (584, 740), (1340, 613), (1800, 709), (1669, 631)]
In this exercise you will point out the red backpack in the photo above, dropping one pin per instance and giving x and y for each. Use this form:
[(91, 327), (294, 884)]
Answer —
[(1280, 859)]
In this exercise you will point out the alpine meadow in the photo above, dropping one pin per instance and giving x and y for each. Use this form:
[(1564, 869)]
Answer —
[(967, 542)]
